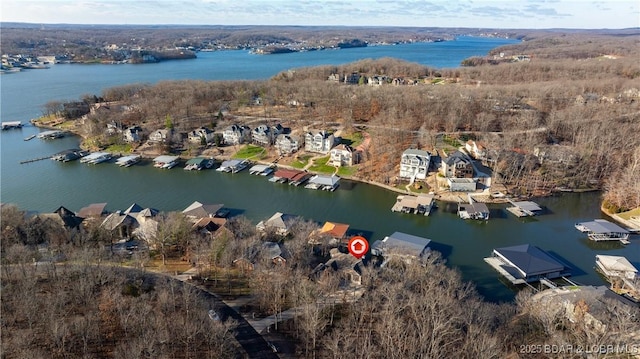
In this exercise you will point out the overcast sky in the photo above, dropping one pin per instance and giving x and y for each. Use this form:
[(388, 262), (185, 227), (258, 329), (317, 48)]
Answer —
[(613, 14)]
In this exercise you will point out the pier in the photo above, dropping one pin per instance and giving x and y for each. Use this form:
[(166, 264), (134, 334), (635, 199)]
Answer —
[(35, 160)]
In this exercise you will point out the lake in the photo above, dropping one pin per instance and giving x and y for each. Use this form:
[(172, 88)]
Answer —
[(46, 185)]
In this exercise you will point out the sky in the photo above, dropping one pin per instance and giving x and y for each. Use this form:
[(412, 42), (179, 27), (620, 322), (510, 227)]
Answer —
[(514, 14)]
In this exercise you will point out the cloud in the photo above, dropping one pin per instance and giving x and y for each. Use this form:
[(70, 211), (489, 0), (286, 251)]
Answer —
[(543, 11)]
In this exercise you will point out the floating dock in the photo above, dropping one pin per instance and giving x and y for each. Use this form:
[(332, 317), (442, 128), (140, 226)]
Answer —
[(603, 230), (421, 204), (524, 208)]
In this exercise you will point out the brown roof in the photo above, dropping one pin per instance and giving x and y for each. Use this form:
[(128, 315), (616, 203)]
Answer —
[(92, 210), (291, 175), (335, 230)]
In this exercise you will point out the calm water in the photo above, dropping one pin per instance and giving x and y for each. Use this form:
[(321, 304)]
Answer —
[(45, 185)]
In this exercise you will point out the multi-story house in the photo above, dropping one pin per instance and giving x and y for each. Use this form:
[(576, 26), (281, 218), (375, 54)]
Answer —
[(287, 144), (343, 155), (132, 134), (264, 135), (160, 136), (476, 149), (236, 134), (196, 135), (414, 164), (319, 141), (457, 165)]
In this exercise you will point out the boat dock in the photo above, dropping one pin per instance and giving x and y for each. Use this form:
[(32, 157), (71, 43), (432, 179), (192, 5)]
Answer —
[(293, 177), (261, 170), (602, 230), (50, 135), (35, 159), (8, 125), (323, 182), (421, 204), (524, 208)]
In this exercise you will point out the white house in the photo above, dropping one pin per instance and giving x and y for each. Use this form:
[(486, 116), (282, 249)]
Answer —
[(476, 149), (160, 136), (343, 155), (414, 164), (319, 141), (236, 134), (287, 144), (132, 134)]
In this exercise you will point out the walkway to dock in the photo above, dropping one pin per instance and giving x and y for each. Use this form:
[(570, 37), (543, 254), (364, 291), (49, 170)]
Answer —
[(35, 160)]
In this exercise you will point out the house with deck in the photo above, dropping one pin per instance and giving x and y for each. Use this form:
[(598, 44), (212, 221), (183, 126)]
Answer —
[(414, 164), (280, 223), (287, 144), (457, 165), (197, 210), (160, 136), (200, 134), (343, 155), (319, 141), (236, 134)]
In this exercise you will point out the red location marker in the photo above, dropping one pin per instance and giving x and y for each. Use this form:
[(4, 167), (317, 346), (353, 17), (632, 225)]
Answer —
[(358, 246)]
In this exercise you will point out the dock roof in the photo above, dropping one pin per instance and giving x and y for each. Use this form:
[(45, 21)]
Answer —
[(528, 206), (291, 175), (601, 226), (325, 180), (165, 159), (530, 260), (411, 244), (616, 263), (196, 161), (415, 201)]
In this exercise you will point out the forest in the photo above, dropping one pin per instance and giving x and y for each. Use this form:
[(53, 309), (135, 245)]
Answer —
[(579, 104), (65, 294)]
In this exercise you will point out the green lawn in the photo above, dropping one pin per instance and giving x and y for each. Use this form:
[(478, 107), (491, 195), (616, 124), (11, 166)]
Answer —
[(250, 151), (122, 148), (627, 215), (301, 161), (320, 165), (347, 171), (353, 139)]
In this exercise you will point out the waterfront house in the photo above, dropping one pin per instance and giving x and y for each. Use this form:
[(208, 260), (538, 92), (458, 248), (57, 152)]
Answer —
[(414, 164), (348, 268), (197, 210), (335, 233), (461, 184), (319, 141), (556, 155), (236, 134), (210, 227), (457, 165), (264, 135), (160, 136), (287, 145), (62, 217), (197, 135), (132, 134), (94, 210), (120, 222), (280, 223), (343, 155), (401, 245), (525, 263)]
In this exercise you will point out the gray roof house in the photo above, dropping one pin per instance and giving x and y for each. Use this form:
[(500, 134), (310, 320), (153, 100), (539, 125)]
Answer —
[(286, 144), (198, 134), (280, 222), (457, 165), (197, 210), (236, 134)]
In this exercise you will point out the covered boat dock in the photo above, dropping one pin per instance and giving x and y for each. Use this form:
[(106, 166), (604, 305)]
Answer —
[(524, 208), (293, 177), (420, 204), (525, 263), (323, 182), (603, 230)]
